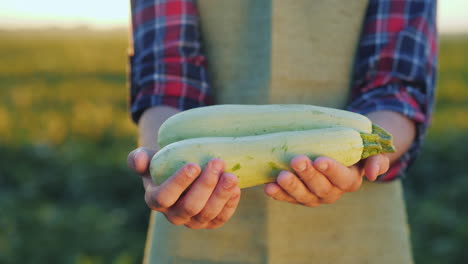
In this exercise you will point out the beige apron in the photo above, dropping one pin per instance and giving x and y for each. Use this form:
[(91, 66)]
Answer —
[(287, 51)]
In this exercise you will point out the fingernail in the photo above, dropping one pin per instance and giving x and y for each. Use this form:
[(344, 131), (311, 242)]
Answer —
[(301, 166), (228, 183), (323, 166), (191, 171), (271, 189), (135, 157), (217, 166), (286, 179)]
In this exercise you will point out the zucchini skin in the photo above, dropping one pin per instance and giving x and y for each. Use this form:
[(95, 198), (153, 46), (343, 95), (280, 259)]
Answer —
[(258, 159), (248, 120)]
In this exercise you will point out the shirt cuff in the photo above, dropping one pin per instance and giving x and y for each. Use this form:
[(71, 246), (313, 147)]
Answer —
[(406, 100), (144, 102)]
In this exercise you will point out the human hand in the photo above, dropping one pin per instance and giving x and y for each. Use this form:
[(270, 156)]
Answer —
[(192, 197), (324, 180)]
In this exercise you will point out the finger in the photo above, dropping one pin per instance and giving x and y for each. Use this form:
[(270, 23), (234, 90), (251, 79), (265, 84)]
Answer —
[(139, 159), (169, 192), (148, 183), (333, 196), (195, 199), (194, 224), (222, 193), (315, 181), (151, 192), (291, 184), (339, 175), (356, 185), (227, 212), (274, 191), (376, 165)]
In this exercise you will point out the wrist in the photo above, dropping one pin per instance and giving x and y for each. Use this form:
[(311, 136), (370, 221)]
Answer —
[(150, 122), (402, 128)]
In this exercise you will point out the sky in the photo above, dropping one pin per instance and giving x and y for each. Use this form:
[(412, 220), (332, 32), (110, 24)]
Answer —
[(452, 14)]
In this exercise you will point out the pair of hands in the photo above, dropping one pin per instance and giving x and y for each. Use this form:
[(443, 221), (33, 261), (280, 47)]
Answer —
[(207, 198)]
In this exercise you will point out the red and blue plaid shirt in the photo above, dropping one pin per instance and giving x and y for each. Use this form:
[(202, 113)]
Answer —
[(395, 64)]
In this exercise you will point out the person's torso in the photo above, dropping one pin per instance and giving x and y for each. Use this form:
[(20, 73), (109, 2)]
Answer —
[(281, 51), (287, 51)]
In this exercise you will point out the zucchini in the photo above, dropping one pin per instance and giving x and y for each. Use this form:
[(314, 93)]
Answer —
[(248, 120), (258, 159)]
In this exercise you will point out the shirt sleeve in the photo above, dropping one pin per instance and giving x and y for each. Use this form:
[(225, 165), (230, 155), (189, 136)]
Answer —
[(167, 66), (395, 67)]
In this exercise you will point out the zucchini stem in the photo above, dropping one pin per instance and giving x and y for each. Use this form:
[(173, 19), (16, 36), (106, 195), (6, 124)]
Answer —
[(380, 141)]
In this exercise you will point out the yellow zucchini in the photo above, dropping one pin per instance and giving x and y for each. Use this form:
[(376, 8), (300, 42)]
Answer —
[(249, 120), (258, 159)]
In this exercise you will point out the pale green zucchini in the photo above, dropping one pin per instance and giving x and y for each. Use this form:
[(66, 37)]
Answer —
[(249, 120), (258, 159)]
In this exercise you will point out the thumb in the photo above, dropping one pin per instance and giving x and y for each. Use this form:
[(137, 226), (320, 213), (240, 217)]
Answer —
[(375, 166), (139, 159)]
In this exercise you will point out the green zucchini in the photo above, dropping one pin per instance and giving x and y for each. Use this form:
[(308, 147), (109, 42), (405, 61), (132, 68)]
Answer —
[(258, 159), (249, 120)]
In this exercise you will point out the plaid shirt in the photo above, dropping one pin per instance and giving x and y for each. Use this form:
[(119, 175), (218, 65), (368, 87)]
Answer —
[(395, 64)]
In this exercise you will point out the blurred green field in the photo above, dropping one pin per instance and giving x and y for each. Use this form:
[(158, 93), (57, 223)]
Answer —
[(66, 195)]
